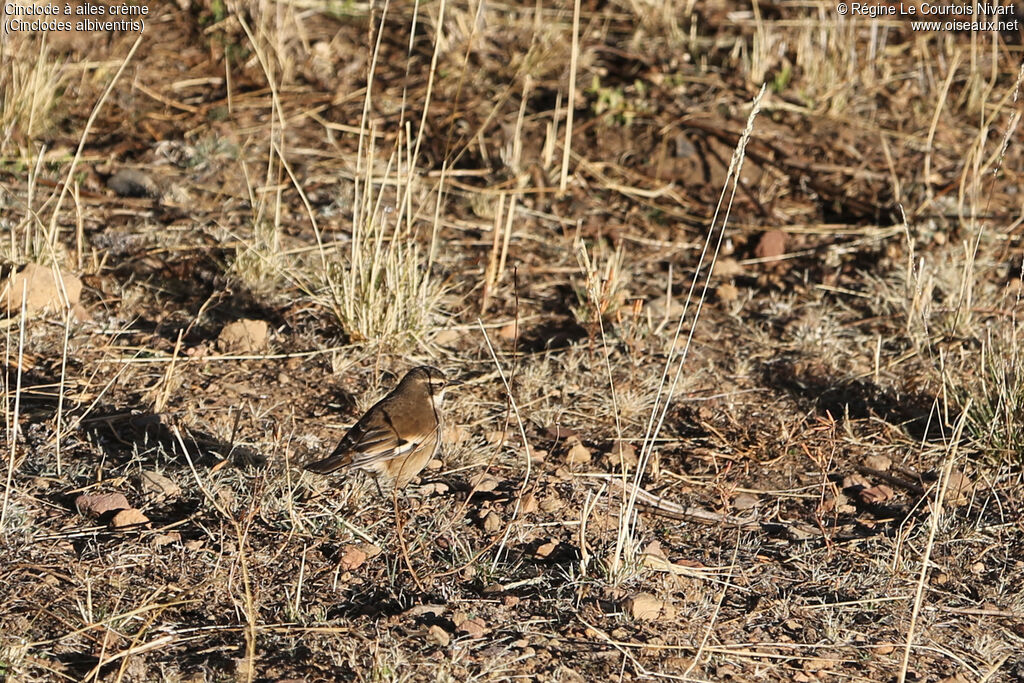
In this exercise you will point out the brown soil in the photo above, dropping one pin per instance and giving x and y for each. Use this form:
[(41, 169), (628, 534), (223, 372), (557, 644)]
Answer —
[(835, 484)]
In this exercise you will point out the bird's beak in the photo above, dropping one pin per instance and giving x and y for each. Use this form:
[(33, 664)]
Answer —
[(453, 383)]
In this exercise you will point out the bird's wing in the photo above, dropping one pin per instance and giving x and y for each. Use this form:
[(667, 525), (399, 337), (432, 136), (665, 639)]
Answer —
[(365, 441), (381, 441)]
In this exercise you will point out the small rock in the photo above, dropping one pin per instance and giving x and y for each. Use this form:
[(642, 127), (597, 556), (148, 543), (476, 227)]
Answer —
[(447, 337), (352, 558), (815, 664), (201, 350), (484, 483), (623, 454), (43, 289), (369, 549), (727, 293), (958, 677), (545, 549), (662, 308), (438, 636), (551, 504), (129, 182), (434, 488), (771, 245), (161, 486), (882, 463), (578, 453), (654, 549), (851, 481), (225, 496), (529, 503), (129, 517), (647, 607), (727, 268), (433, 610), (678, 665), (243, 336), (960, 488), (161, 540), (875, 494), (744, 501), (509, 331), (492, 522), (474, 628), (99, 504)]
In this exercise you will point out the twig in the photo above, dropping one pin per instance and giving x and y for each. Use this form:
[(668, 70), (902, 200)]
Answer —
[(932, 531)]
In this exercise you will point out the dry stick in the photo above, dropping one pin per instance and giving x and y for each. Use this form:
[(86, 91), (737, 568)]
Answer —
[(161, 400), (656, 420), (491, 273), (276, 104), (439, 27), (63, 375), (934, 527), (993, 670), (571, 102), (594, 290), (509, 217), (399, 530), (517, 149), (17, 406), (85, 133), (250, 633), (109, 621), (79, 230), (522, 431), (30, 190), (718, 609), (312, 219), (302, 575), (943, 96), (501, 442), (595, 295), (620, 646), (153, 616), (363, 127), (259, 238), (435, 226)]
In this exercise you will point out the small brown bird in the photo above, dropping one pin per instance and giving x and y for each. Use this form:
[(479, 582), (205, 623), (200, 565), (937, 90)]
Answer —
[(399, 435)]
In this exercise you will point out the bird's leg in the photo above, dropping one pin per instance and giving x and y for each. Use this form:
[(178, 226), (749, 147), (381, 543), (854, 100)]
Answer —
[(399, 528)]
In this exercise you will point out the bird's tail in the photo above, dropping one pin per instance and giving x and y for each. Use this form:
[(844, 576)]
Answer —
[(331, 463)]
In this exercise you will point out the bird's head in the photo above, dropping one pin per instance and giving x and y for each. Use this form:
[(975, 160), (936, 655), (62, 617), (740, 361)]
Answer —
[(431, 380)]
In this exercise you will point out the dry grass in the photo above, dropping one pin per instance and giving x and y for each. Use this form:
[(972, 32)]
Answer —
[(31, 87), (683, 451)]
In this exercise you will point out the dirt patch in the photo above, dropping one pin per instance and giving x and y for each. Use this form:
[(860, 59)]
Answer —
[(278, 211)]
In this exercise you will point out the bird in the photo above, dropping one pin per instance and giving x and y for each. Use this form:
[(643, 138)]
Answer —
[(396, 438)]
